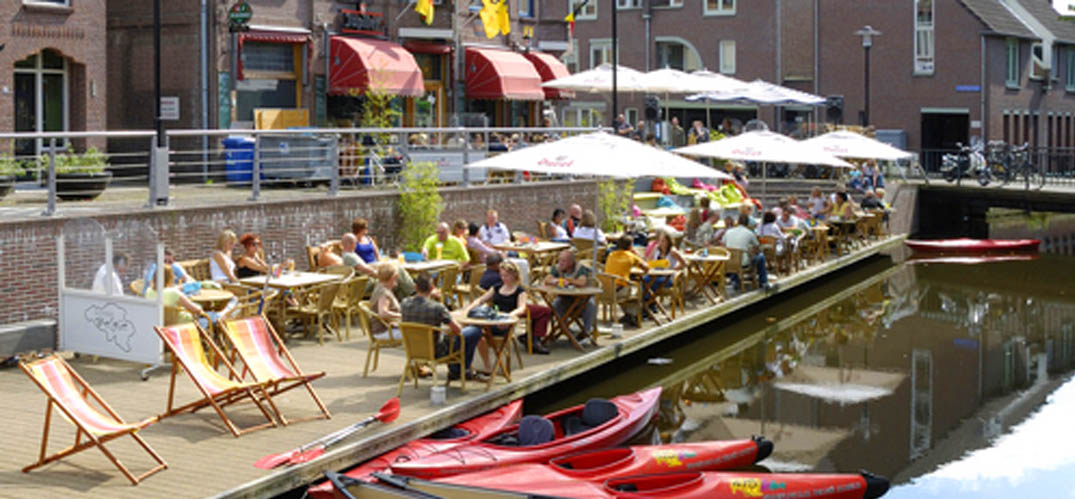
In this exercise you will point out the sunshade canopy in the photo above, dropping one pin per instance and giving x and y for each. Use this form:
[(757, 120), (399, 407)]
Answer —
[(764, 146), (361, 64), (501, 75), (550, 68), (761, 92), (845, 144), (599, 80)]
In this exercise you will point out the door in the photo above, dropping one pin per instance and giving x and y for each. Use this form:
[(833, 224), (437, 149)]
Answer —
[(941, 133), (40, 98)]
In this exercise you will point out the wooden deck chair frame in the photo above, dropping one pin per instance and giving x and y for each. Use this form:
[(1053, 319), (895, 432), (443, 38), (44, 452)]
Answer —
[(272, 355), (83, 390), (365, 317), (235, 391), (420, 347)]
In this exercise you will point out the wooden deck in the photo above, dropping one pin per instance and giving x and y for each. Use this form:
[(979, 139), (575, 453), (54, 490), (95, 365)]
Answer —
[(205, 460)]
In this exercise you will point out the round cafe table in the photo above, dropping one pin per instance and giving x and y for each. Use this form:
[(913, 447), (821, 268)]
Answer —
[(499, 343), (212, 300), (572, 314)]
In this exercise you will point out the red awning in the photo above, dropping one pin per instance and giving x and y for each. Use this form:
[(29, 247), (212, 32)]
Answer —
[(273, 37), (550, 68), (499, 74), (359, 64), (424, 47)]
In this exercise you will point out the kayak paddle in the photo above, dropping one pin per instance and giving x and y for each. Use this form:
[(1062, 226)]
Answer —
[(388, 413)]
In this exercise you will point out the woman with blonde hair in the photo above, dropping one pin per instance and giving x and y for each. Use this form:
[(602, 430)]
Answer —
[(587, 228), (511, 298), (221, 265), (385, 305)]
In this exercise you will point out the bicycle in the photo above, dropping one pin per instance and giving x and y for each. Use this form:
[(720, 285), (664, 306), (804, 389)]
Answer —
[(998, 161), (1019, 158)]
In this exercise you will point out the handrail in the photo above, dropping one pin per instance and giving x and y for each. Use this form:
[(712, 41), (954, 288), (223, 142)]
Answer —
[(79, 135), (307, 131)]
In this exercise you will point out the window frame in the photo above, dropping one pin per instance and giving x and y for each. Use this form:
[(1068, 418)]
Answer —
[(1069, 69), (47, 3), (39, 71), (1036, 61), (599, 44), (721, 63), (925, 64), (631, 115), (671, 4), (627, 4), (591, 7), (719, 11), (527, 12), (1012, 68)]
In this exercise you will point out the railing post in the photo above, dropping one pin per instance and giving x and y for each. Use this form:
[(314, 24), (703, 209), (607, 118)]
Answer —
[(334, 162), (255, 170), (158, 172), (466, 156), (51, 209)]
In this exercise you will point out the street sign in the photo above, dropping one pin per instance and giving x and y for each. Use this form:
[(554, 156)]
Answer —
[(239, 16), (170, 108)]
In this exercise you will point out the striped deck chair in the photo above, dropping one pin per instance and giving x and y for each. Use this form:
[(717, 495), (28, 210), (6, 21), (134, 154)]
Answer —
[(75, 400), (268, 361), (185, 343)]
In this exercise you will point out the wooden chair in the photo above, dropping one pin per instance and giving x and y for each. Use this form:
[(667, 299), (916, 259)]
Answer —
[(83, 407), (351, 292), (419, 342), (268, 361), (471, 290), (316, 310), (185, 342), (366, 316), (609, 299), (745, 273), (197, 269), (446, 281), (674, 293), (343, 270), (312, 254), (542, 230), (582, 245)]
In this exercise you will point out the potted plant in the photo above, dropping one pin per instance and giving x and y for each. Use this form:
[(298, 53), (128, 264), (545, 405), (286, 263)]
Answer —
[(10, 168), (79, 176)]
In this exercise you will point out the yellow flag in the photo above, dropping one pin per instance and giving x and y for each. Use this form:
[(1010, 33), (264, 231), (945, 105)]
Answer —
[(425, 8), (503, 18), (488, 16)]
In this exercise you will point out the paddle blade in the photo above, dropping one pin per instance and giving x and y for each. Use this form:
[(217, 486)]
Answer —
[(307, 456), (389, 412), (273, 460)]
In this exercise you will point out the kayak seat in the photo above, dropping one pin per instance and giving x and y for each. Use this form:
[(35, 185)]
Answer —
[(535, 430), (626, 487), (595, 413), (450, 433)]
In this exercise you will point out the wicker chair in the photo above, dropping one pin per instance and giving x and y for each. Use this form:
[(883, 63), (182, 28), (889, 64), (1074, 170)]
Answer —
[(419, 342), (351, 292), (366, 318), (317, 310), (609, 299), (746, 273)]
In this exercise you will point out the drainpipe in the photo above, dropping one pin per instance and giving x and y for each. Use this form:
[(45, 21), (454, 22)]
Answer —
[(779, 70), (982, 92), (647, 17), (204, 68), (817, 58)]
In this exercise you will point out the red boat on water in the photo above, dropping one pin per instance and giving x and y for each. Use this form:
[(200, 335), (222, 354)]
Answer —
[(597, 424), (973, 246), (471, 430), (719, 485), (971, 259), (598, 466)]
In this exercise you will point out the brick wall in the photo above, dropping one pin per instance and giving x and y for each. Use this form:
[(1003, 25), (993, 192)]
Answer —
[(28, 249)]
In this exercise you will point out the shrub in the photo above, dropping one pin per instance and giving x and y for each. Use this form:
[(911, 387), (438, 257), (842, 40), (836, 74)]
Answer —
[(9, 166), (420, 203), (614, 200)]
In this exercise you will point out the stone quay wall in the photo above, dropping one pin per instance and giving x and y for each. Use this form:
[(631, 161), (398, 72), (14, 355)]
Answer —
[(28, 252)]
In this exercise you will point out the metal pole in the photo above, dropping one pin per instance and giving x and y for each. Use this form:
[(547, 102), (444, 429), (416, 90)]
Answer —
[(466, 155), (255, 170), (866, 113), (615, 67), (51, 209), (334, 163), (158, 124)]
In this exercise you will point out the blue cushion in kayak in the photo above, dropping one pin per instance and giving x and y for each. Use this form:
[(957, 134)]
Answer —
[(535, 430)]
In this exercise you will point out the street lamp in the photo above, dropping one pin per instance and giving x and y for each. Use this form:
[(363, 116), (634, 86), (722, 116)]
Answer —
[(867, 33)]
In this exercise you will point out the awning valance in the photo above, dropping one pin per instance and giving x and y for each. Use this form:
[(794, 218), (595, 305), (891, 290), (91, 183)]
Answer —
[(360, 64), (499, 74), (425, 47), (550, 68), (273, 37)]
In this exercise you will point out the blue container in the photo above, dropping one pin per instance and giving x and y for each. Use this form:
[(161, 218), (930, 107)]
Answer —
[(239, 159)]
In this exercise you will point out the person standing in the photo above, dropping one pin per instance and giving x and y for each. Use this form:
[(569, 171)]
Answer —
[(699, 133), (679, 136), (110, 284)]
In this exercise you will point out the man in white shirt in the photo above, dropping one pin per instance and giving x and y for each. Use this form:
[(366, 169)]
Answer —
[(494, 232), (743, 239), (110, 285)]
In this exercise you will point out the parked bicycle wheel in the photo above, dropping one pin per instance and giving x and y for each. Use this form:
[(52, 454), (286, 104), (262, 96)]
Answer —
[(1000, 171)]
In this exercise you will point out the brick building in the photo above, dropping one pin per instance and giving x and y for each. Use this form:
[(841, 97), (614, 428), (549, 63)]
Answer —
[(52, 67), (941, 72), (318, 55)]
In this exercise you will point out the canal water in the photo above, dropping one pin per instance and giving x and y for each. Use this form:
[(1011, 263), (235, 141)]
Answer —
[(953, 380)]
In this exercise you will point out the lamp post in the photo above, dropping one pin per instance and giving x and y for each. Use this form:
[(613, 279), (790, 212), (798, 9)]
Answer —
[(615, 66), (867, 33)]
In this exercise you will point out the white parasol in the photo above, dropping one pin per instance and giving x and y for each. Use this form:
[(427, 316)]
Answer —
[(847, 144), (599, 79)]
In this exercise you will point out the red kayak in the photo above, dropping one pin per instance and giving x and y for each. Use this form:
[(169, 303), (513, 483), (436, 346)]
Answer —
[(471, 430), (596, 425), (966, 245), (598, 466), (718, 485), (971, 259)]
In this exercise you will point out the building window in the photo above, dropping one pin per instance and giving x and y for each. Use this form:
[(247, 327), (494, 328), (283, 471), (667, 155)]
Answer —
[(268, 57), (526, 8), (600, 52), (629, 4), (272, 74), (631, 115), (666, 3), (588, 10), (61, 3), (1038, 69), (727, 57), (670, 55), (718, 7), (41, 100), (1069, 70), (923, 40), (584, 117), (1012, 79), (1054, 70)]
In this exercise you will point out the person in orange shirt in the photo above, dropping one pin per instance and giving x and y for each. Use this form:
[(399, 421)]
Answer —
[(619, 263)]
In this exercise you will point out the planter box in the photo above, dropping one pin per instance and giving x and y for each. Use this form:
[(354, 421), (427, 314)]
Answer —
[(81, 186)]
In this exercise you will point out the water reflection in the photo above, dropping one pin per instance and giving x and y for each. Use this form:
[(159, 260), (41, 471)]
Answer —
[(895, 369)]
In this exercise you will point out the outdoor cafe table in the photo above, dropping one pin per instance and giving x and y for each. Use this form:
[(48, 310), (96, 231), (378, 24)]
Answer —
[(539, 254), (639, 274), (703, 271), (212, 300), (843, 228), (821, 237), (500, 344), (294, 281), (429, 265), (572, 314)]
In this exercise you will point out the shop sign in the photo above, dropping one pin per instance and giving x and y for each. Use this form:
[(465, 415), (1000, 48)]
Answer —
[(239, 16), (362, 22)]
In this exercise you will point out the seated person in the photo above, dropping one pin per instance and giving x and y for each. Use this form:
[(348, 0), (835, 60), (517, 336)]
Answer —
[(769, 228), (174, 297), (707, 231), (423, 309), (250, 262), (619, 264), (110, 284), (494, 231), (221, 266), (555, 229), (795, 227), (451, 247), (798, 211), (660, 252), (510, 297), (819, 206), (844, 207), (365, 247), (181, 276), (870, 202), (491, 277), (587, 228), (476, 244), (573, 274), (745, 240), (384, 303)]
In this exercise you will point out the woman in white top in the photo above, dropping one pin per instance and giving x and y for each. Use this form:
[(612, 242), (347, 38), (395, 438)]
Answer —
[(221, 266), (556, 230), (587, 228), (817, 204), (769, 228)]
